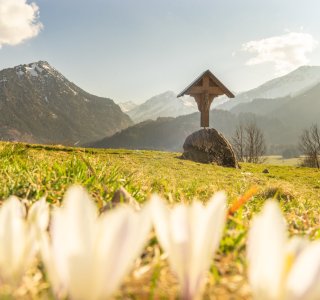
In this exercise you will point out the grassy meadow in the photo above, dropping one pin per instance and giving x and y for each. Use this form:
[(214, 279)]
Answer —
[(34, 171)]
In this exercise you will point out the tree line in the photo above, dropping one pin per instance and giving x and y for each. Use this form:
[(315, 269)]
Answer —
[(249, 144)]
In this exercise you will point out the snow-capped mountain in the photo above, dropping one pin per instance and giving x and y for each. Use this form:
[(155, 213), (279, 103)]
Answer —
[(127, 106), (292, 84), (163, 105), (38, 104)]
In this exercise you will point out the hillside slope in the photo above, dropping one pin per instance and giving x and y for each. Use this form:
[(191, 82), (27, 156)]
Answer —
[(38, 104), (298, 111), (170, 133), (165, 133)]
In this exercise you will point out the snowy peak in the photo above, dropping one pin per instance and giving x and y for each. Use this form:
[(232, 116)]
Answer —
[(42, 75), (127, 106), (164, 105), (38, 104), (292, 84), (29, 70), (33, 69), (301, 78), (37, 69)]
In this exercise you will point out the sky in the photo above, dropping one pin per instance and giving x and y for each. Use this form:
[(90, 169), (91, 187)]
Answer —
[(131, 50)]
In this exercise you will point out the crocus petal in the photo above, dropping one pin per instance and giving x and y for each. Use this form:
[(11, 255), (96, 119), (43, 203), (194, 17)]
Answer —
[(207, 229), (190, 234), (90, 255), (295, 246), (303, 282), (160, 218), (209, 222), (47, 258), (73, 235), (123, 234), (38, 221), (173, 230), (38, 215), (180, 256), (16, 251), (266, 252)]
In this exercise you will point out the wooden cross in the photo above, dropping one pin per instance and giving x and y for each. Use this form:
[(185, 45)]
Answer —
[(204, 89)]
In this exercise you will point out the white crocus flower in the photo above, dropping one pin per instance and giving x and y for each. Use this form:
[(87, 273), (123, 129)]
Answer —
[(38, 214), (304, 279), (89, 255), (16, 244), (281, 268), (38, 219), (190, 234)]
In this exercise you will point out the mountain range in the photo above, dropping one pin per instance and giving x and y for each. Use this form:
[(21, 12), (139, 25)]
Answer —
[(39, 105), (282, 108), (164, 105), (289, 85), (168, 105)]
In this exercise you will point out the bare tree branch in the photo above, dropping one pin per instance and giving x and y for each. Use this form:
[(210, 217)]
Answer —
[(249, 143), (310, 146)]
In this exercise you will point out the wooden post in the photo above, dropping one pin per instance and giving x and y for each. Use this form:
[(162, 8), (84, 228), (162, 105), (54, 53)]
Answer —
[(204, 102)]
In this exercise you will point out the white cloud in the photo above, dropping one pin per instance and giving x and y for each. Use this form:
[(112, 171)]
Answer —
[(286, 52), (19, 21)]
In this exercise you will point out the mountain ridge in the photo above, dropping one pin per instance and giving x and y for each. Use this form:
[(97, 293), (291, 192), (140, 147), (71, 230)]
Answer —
[(289, 85), (163, 105), (38, 104)]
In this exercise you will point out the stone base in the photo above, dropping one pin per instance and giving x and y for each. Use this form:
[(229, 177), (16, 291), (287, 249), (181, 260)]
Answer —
[(209, 146)]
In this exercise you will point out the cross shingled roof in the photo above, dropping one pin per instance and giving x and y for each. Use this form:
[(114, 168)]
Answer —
[(215, 80)]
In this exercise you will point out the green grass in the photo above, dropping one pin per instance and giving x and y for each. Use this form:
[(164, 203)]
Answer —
[(34, 171)]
